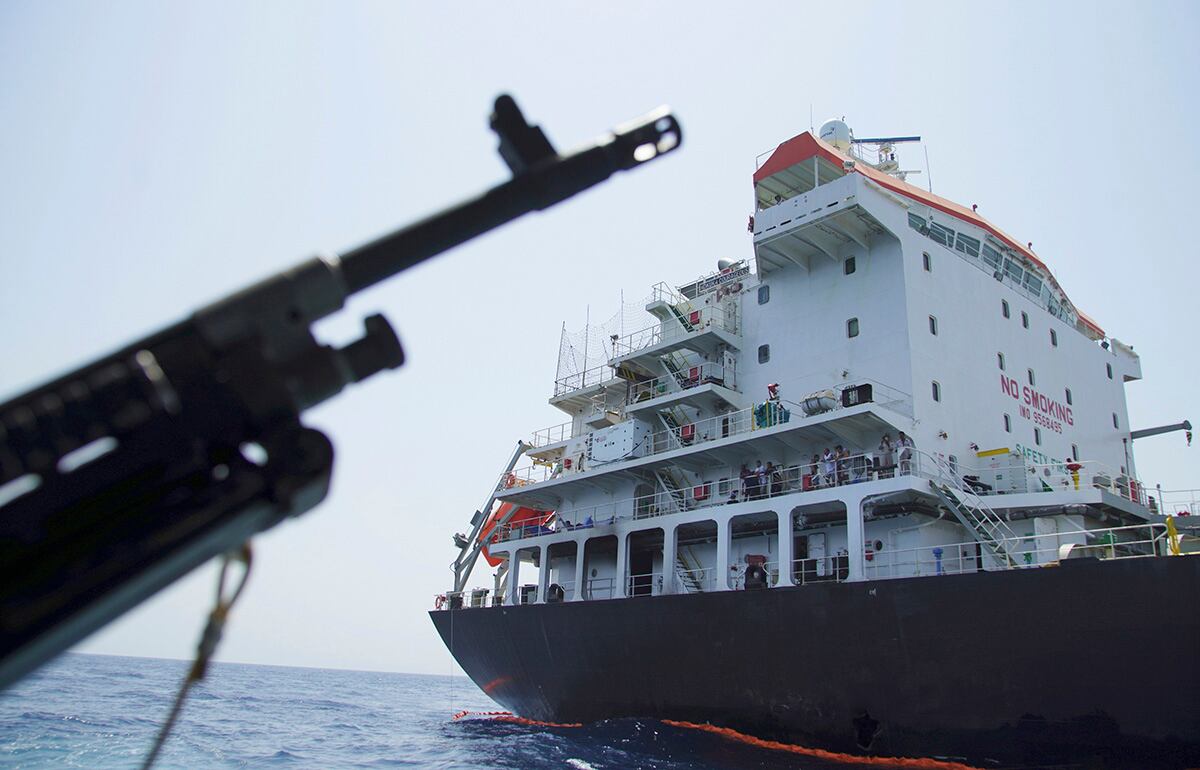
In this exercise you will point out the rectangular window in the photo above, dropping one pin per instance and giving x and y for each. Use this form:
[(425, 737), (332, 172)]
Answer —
[(1069, 401), (1116, 422), (849, 266), (1000, 360), (967, 245), (1024, 319), (1007, 424), (764, 353), (1108, 368), (915, 222), (723, 487), (1053, 338), (1031, 381), (1004, 308), (933, 325), (992, 258), (937, 391), (764, 294), (941, 234), (1075, 453), (1037, 436), (1014, 271), (852, 327), (1033, 284), (927, 261)]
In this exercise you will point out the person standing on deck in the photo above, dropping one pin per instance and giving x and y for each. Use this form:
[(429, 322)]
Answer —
[(906, 446), (887, 458)]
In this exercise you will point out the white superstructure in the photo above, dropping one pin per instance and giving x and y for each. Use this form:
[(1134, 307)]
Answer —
[(870, 308)]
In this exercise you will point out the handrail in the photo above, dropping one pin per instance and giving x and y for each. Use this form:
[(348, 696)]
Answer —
[(552, 435), (703, 373), (706, 318), (1031, 551), (597, 375)]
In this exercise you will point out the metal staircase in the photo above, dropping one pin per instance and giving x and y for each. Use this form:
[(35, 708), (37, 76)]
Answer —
[(682, 316), (677, 366), (674, 419), (985, 525), (687, 574), (676, 491)]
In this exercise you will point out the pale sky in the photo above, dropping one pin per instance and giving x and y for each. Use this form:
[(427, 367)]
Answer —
[(156, 156)]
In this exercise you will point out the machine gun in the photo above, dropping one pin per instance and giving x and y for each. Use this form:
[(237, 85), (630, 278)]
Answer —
[(124, 475)]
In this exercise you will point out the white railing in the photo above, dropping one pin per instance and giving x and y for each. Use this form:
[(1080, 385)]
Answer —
[(600, 588), (703, 319), (1185, 502), (704, 373), (646, 584), (597, 375), (552, 435), (1136, 541), (663, 292), (698, 580), (757, 417)]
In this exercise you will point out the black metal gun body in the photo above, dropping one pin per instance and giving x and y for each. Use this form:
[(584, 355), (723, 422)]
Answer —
[(122, 476)]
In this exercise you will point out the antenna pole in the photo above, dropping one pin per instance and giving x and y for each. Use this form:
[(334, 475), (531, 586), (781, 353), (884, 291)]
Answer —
[(928, 174)]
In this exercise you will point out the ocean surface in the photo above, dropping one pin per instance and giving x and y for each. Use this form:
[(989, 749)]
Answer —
[(94, 711)]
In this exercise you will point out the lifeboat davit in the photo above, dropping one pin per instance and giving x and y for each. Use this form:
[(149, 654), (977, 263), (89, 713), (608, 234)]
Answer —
[(527, 517)]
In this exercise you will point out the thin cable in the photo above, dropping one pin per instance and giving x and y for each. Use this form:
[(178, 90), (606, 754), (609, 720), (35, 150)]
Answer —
[(207, 646)]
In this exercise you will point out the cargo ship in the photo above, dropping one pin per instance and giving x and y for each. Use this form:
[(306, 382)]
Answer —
[(871, 489)]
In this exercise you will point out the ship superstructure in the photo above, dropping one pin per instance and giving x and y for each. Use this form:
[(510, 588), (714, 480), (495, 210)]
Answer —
[(891, 388)]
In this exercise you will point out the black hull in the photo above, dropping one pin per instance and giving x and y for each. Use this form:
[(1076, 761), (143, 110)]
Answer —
[(1095, 659)]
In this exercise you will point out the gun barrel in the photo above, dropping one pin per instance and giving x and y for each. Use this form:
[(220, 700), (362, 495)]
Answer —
[(544, 184)]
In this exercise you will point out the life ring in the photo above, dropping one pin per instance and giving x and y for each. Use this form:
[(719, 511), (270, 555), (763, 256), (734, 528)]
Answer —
[(439, 601)]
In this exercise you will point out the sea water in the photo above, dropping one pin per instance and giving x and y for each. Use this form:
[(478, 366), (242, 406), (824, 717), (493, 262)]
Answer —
[(93, 711)]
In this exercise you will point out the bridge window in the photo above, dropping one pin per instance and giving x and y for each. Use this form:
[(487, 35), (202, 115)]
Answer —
[(992, 258), (917, 223), (1033, 284), (941, 234), (764, 294), (1014, 271), (967, 245), (852, 327), (764, 353)]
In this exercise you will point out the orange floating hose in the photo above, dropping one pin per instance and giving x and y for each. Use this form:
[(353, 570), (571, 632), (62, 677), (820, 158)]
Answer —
[(830, 756)]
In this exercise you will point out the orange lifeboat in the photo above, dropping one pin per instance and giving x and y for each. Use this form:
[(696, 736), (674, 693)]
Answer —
[(524, 517)]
